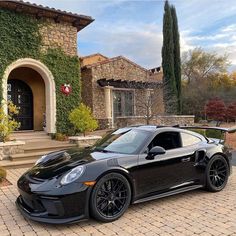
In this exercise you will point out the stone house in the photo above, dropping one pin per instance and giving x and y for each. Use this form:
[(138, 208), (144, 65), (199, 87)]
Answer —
[(118, 90), (37, 46)]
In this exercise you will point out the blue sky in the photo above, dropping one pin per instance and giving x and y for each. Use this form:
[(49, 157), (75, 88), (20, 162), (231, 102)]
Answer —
[(134, 28)]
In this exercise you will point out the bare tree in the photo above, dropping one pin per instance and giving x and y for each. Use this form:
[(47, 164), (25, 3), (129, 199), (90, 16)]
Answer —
[(148, 102), (198, 64)]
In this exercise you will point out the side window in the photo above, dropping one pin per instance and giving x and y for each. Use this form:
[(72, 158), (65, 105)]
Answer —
[(167, 140), (188, 139)]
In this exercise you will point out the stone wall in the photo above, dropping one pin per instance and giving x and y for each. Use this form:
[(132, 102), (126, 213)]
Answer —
[(158, 120), (86, 88), (62, 35), (104, 123), (95, 58), (10, 148)]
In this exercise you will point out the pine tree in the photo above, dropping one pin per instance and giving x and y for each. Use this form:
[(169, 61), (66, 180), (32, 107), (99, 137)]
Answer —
[(169, 90), (177, 59)]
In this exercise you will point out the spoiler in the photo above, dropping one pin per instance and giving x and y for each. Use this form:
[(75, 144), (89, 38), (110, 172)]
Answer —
[(222, 129)]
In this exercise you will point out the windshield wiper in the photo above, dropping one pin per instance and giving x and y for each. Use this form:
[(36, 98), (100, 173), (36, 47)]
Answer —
[(100, 149)]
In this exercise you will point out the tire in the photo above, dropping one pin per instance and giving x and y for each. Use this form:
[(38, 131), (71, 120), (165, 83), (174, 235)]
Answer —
[(110, 197), (217, 173)]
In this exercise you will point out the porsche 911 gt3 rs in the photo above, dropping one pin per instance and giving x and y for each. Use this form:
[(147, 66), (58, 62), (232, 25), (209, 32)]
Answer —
[(128, 166)]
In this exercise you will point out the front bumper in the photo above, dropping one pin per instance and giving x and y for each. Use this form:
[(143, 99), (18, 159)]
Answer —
[(54, 209)]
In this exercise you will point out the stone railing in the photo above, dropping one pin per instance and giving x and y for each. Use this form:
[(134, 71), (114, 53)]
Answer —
[(157, 120), (86, 141), (9, 148)]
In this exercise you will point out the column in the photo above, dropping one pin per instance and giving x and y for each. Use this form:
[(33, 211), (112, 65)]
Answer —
[(108, 102)]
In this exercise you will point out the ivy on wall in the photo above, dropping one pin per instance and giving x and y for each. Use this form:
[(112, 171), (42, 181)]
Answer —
[(20, 38), (65, 69)]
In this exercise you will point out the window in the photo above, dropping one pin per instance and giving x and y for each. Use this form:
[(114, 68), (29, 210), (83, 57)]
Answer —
[(167, 140), (127, 142), (123, 103), (188, 139)]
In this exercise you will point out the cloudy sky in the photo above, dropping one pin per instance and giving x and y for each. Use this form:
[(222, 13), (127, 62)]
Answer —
[(134, 28)]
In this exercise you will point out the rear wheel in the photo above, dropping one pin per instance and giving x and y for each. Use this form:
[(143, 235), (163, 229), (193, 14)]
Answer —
[(217, 174), (110, 197)]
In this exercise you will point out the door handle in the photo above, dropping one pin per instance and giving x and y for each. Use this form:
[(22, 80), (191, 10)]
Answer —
[(186, 159)]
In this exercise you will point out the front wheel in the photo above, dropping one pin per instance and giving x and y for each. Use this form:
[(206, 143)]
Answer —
[(110, 197), (217, 174)]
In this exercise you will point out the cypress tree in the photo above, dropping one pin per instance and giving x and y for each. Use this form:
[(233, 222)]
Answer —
[(169, 89), (177, 59)]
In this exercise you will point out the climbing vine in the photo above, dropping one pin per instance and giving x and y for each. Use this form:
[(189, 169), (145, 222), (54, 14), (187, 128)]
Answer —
[(20, 38), (65, 70)]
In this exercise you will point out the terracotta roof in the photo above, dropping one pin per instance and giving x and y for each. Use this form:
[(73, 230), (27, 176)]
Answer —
[(78, 21), (92, 55), (114, 59)]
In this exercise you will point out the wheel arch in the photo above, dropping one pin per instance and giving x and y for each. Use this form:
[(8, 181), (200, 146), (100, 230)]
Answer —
[(223, 155), (124, 173)]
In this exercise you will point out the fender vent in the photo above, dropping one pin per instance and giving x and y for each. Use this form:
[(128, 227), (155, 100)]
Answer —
[(200, 155), (112, 162)]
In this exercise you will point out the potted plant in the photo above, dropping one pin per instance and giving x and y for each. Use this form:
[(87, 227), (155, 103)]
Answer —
[(83, 122), (8, 124)]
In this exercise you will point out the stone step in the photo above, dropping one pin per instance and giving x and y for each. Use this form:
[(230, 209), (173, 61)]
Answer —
[(30, 136), (48, 147), (27, 156), (34, 154), (17, 164)]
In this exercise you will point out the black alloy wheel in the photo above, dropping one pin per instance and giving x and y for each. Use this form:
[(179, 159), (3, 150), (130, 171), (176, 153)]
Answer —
[(217, 173), (110, 197)]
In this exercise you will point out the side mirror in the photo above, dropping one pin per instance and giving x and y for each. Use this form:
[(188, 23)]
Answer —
[(157, 150)]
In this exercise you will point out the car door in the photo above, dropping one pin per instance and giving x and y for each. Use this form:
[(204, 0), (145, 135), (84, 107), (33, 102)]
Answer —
[(168, 171)]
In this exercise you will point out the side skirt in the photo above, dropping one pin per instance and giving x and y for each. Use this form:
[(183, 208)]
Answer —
[(173, 192)]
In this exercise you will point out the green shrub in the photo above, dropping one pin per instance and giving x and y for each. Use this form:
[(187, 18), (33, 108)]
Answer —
[(82, 119), (211, 133), (3, 174), (7, 122), (61, 137), (199, 131)]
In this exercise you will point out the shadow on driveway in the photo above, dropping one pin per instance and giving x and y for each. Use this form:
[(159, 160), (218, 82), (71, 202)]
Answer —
[(234, 158)]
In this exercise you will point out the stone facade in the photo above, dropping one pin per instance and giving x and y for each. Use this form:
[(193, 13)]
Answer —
[(158, 120), (28, 79), (9, 148), (91, 59), (118, 69), (59, 35)]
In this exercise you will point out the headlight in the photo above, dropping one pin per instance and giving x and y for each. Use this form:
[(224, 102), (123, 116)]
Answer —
[(72, 175), (41, 159)]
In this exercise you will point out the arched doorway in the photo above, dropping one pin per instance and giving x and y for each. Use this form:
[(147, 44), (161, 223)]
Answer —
[(21, 95), (49, 91)]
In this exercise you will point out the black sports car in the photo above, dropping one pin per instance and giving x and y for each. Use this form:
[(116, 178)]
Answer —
[(130, 165)]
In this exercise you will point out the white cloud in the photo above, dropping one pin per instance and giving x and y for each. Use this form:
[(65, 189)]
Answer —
[(229, 28), (143, 47), (203, 23)]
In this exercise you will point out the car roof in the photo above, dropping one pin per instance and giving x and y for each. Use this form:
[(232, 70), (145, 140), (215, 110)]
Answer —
[(154, 128)]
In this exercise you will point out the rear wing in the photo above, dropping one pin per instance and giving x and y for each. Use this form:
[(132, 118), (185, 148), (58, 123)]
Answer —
[(222, 129)]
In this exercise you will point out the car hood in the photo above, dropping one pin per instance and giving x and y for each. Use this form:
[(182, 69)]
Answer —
[(57, 163)]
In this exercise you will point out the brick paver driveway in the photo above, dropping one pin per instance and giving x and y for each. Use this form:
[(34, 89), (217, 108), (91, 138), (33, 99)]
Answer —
[(193, 213)]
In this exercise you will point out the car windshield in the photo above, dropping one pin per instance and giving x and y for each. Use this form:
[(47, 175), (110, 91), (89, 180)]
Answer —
[(123, 141)]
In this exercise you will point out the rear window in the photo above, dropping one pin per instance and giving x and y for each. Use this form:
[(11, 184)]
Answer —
[(188, 139)]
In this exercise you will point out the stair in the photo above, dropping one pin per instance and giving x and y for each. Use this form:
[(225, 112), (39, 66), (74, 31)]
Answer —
[(32, 136), (37, 144)]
